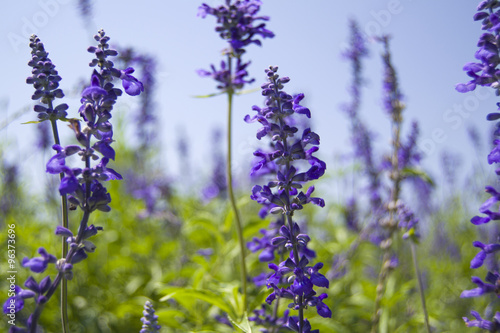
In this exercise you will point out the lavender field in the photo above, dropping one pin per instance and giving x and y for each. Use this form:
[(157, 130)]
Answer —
[(250, 166)]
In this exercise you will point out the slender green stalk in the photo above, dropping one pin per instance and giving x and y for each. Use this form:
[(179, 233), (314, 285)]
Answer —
[(59, 277), (296, 258), (420, 286), (277, 302), (239, 228), (392, 223), (65, 224)]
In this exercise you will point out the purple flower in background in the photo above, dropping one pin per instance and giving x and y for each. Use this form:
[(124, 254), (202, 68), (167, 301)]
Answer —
[(145, 117), (149, 320), (217, 186), (362, 138), (392, 95)]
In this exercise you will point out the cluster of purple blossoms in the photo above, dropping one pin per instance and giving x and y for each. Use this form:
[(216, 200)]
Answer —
[(45, 80), (293, 278), (362, 137), (149, 320), (82, 185), (239, 24), (485, 72)]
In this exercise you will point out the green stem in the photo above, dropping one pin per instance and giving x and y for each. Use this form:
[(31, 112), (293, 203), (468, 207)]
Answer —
[(420, 286), (296, 258), (393, 223), (59, 277), (277, 302), (65, 224), (239, 227)]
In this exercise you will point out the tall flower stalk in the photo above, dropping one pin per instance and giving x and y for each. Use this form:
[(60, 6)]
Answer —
[(397, 216), (82, 185), (238, 24), (45, 79), (292, 279), (485, 73)]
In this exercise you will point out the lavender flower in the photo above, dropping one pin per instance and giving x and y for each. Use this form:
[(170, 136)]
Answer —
[(292, 279), (45, 80), (362, 137), (149, 320), (83, 184), (404, 157), (238, 23), (485, 73)]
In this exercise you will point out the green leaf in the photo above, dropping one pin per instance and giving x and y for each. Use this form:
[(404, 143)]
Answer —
[(209, 95), (247, 91), (203, 295), (243, 325), (412, 172), (39, 121)]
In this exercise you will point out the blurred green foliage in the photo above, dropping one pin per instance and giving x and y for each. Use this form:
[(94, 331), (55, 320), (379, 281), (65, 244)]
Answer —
[(159, 258)]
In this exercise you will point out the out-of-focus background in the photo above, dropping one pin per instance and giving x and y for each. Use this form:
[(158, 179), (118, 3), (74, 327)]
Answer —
[(431, 43), (170, 236)]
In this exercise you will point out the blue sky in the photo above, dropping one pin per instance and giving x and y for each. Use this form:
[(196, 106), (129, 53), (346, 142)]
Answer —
[(432, 40)]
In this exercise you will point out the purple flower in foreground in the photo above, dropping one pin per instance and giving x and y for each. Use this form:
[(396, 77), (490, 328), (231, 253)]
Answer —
[(482, 287), (484, 72), (481, 256), (16, 303), (132, 86), (236, 24), (485, 208), (45, 80), (39, 264), (492, 326), (295, 165), (82, 184)]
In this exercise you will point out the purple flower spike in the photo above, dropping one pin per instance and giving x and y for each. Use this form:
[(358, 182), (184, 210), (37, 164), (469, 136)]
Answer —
[(485, 72), (293, 164), (45, 80), (235, 24)]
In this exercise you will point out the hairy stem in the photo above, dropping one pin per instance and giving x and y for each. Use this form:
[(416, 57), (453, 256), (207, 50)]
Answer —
[(232, 199)]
